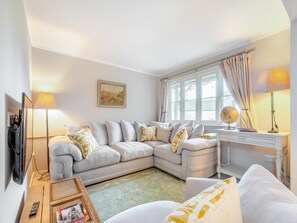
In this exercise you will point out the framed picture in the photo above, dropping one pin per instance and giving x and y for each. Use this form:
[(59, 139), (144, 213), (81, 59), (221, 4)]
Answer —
[(111, 94)]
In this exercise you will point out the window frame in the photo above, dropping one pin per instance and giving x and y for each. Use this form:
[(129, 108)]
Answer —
[(198, 75)]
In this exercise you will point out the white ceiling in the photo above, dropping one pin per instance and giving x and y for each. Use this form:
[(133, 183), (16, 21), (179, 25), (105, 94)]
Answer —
[(152, 36)]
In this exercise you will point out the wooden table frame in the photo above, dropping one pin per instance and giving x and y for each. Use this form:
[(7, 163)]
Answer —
[(278, 141)]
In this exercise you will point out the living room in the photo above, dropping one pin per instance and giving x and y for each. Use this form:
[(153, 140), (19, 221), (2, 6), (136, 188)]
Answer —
[(72, 50)]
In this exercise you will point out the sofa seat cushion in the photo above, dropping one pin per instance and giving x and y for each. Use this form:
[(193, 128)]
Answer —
[(104, 156), (132, 150), (151, 212), (154, 143), (265, 199), (165, 152)]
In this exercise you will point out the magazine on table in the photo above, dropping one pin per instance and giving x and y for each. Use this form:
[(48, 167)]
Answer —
[(72, 214)]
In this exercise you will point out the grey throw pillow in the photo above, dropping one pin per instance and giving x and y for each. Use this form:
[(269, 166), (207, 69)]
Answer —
[(175, 130), (176, 127), (100, 133), (197, 131), (128, 130), (163, 124), (114, 131)]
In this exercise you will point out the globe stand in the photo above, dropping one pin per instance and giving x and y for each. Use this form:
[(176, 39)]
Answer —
[(229, 127)]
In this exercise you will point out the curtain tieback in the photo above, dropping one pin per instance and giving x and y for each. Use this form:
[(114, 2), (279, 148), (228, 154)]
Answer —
[(244, 109)]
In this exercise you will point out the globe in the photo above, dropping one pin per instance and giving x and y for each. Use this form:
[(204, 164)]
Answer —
[(229, 115)]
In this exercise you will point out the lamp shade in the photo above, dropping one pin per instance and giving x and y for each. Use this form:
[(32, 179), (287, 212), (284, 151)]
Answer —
[(273, 80), (45, 100)]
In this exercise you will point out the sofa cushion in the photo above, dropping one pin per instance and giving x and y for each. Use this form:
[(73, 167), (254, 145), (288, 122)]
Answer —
[(85, 141), (265, 199), (180, 136), (198, 130), (138, 126), (176, 127), (128, 129), (114, 131), (148, 133), (132, 150), (148, 213), (165, 152), (72, 128), (104, 156), (218, 203), (154, 143), (62, 145), (160, 124), (163, 133), (100, 133)]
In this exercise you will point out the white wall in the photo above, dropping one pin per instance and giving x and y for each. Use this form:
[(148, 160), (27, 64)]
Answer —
[(271, 52), (294, 107), (74, 83), (14, 79)]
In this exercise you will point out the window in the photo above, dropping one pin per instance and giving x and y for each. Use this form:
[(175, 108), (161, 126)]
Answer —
[(199, 96)]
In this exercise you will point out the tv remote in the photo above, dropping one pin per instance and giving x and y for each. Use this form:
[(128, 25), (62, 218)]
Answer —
[(34, 209)]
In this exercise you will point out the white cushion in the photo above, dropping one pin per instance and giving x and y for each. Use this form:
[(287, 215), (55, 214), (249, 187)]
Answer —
[(137, 126), (165, 152), (132, 150), (264, 199), (100, 133), (217, 204), (176, 128), (198, 130), (163, 124), (104, 156), (114, 131), (128, 129), (153, 212), (73, 128), (196, 144), (62, 145)]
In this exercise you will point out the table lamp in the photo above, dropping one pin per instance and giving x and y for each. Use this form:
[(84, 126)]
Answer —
[(274, 80), (46, 100)]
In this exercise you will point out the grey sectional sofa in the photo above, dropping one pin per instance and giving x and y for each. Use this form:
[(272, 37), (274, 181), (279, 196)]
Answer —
[(122, 153)]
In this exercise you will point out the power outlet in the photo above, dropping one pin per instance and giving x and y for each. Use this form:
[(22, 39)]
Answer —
[(269, 158)]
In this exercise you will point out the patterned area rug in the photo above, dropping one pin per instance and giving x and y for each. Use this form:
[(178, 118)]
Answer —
[(114, 196)]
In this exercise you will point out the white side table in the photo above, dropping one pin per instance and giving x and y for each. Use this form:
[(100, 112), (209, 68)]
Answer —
[(278, 141)]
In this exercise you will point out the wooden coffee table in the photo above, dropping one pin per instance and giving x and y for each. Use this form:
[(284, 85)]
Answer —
[(56, 195)]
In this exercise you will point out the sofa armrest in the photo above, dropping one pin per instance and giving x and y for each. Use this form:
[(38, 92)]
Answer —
[(61, 167), (195, 185), (196, 144), (62, 145)]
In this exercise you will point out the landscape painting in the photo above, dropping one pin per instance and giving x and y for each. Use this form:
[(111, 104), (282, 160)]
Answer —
[(111, 94)]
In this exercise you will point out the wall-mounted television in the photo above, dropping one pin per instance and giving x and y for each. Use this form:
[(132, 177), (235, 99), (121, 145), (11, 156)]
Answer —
[(20, 139)]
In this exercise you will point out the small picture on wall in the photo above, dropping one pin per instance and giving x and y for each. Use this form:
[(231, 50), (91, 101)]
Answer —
[(111, 94)]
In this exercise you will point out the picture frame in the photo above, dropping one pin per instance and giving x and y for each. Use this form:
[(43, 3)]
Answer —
[(111, 94)]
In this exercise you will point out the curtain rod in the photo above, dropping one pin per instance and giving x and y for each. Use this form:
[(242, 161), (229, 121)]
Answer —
[(204, 65)]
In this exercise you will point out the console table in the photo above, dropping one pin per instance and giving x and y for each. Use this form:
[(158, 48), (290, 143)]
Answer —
[(55, 195), (278, 141)]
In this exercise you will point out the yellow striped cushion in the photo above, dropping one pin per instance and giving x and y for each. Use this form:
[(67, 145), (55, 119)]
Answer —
[(179, 137), (219, 203), (85, 141)]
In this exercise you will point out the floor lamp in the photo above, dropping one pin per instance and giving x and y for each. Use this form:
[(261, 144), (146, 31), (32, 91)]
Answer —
[(271, 81), (46, 100)]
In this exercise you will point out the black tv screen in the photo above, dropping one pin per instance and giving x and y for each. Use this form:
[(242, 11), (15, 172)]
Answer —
[(20, 139), (27, 122)]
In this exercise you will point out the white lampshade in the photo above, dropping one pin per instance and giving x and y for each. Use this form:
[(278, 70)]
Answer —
[(273, 80), (45, 100)]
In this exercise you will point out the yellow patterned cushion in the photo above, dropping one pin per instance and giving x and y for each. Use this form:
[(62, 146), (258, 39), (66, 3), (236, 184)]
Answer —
[(85, 141), (219, 203), (179, 137), (148, 133)]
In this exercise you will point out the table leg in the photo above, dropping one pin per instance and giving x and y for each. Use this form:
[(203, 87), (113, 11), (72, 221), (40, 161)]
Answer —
[(279, 161), (219, 159), (285, 166)]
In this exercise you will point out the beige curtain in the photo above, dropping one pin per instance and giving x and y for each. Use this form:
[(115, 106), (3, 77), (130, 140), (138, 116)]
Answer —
[(238, 78), (163, 92)]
